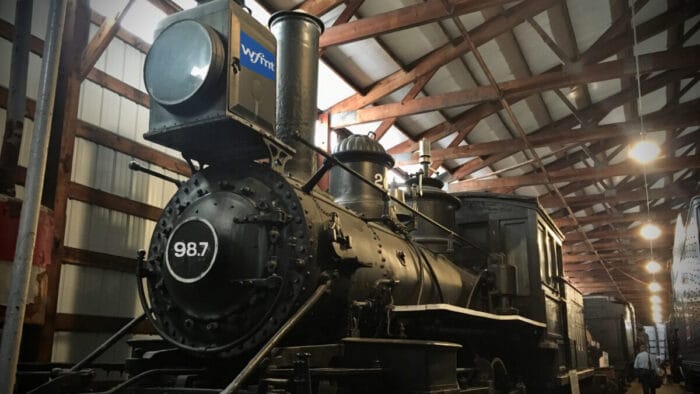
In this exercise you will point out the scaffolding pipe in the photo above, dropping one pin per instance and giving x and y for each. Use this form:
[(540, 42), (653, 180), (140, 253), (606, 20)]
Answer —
[(14, 124), (29, 215)]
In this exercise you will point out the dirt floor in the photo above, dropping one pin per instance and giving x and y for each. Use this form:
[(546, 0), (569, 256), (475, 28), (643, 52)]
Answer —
[(665, 389)]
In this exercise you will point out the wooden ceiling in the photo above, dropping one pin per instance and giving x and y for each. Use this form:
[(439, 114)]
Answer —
[(604, 253)]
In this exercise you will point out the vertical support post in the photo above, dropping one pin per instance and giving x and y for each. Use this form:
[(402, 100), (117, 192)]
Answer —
[(29, 215), (14, 125), (60, 158)]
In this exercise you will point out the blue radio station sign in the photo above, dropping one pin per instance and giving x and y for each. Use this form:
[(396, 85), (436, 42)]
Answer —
[(256, 57)]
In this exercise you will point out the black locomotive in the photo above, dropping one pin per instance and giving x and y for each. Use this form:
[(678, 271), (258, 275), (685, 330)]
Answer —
[(258, 282)]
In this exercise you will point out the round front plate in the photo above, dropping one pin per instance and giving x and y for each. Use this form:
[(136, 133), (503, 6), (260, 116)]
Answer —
[(191, 250)]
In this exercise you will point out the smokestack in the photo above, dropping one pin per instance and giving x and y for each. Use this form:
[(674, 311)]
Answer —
[(297, 36)]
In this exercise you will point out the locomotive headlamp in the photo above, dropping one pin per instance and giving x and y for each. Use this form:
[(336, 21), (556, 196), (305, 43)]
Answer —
[(184, 60), (210, 75)]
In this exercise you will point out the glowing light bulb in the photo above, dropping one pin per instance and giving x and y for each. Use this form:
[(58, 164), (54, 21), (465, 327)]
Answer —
[(653, 267), (644, 151), (656, 308), (655, 299), (654, 287), (657, 318), (650, 231)]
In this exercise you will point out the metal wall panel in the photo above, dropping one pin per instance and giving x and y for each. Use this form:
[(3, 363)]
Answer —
[(90, 290)]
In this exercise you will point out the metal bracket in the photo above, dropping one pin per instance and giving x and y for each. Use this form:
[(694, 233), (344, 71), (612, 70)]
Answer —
[(279, 154), (271, 282), (276, 217)]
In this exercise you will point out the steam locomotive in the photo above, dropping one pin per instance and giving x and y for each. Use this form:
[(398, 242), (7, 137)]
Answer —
[(259, 282)]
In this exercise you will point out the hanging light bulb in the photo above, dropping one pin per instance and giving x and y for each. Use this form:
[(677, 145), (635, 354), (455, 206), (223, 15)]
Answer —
[(656, 308), (644, 151), (655, 299), (654, 287), (650, 231), (657, 317), (653, 267)]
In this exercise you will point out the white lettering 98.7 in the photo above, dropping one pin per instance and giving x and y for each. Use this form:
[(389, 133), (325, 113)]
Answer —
[(190, 249)]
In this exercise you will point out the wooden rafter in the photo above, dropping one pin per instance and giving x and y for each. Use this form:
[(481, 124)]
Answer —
[(415, 89), (598, 110), (575, 174), (519, 89), (107, 31), (445, 54), (685, 116), (351, 6), (167, 6), (621, 218), (580, 258), (402, 18), (684, 189), (616, 245), (318, 7)]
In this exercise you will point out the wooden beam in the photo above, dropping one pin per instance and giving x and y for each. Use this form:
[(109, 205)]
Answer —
[(594, 113), (132, 148), (646, 30), (167, 6), (88, 258), (682, 189), (476, 95), (417, 87), (602, 147), (351, 7), (119, 87), (558, 51), (579, 258), (115, 141), (518, 89), (685, 116), (402, 18), (576, 174), (445, 54), (7, 31), (609, 234), (656, 215), (107, 31), (60, 154), (111, 201), (318, 7), (136, 42), (571, 247), (650, 28), (99, 77), (564, 36)]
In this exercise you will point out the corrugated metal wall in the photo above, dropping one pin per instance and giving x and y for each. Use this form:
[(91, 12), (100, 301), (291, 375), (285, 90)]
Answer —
[(88, 290)]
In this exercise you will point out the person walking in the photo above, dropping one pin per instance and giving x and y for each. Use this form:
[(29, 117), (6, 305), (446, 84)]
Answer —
[(645, 367)]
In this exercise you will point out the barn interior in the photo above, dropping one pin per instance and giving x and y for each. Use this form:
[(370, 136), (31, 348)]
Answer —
[(537, 98)]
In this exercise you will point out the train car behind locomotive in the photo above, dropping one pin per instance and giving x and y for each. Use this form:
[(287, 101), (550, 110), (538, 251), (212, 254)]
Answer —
[(612, 324)]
